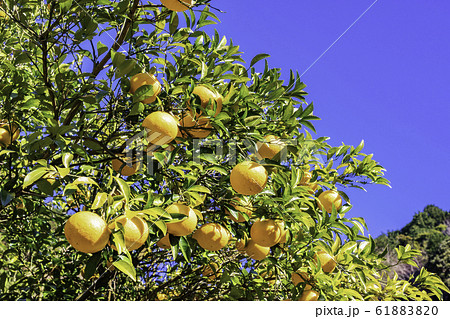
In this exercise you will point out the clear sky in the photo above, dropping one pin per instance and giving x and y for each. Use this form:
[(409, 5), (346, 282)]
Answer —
[(385, 81)]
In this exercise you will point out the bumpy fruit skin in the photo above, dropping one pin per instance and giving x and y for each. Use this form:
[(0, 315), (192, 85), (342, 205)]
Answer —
[(244, 206), (266, 232), (6, 138), (162, 128), (141, 79), (271, 148), (135, 231), (212, 236), (125, 167), (87, 232), (299, 277), (177, 5), (248, 178), (185, 226), (328, 263), (309, 295), (207, 97), (329, 198), (164, 242), (194, 127), (256, 251)]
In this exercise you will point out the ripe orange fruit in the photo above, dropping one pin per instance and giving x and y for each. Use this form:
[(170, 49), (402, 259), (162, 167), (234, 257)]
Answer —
[(242, 205), (207, 98), (161, 127), (328, 263), (305, 178), (164, 242), (284, 232), (240, 246), (125, 166), (87, 232), (266, 232), (248, 178), (329, 198), (271, 148), (141, 79), (177, 5), (135, 231), (256, 251), (8, 133), (194, 127), (212, 236), (185, 226), (299, 277), (309, 295)]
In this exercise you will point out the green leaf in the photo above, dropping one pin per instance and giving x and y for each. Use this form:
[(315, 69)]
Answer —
[(66, 159), (63, 172), (125, 68), (84, 180), (185, 248), (117, 58), (99, 200), (126, 266), (258, 57), (101, 48), (124, 188), (359, 148), (200, 188), (35, 175), (91, 265)]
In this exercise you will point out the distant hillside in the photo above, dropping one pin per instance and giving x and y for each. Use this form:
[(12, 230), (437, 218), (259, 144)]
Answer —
[(428, 231)]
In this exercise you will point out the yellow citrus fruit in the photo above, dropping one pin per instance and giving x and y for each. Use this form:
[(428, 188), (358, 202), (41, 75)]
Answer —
[(161, 127), (161, 297), (309, 295), (185, 226), (87, 232), (194, 127), (328, 263), (243, 205), (6, 138), (312, 187), (135, 231), (207, 98), (299, 277), (212, 236), (271, 147), (125, 166), (256, 251), (284, 232), (177, 5), (164, 242), (266, 232), (305, 178), (211, 271), (248, 178), (141, 79), (329, 198), (240, 246)]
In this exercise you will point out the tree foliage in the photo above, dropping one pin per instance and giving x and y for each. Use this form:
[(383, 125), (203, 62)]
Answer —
[(65, 70), (428, 232)]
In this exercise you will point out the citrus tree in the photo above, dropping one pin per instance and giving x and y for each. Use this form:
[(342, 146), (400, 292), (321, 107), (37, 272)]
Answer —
[(143, 159)]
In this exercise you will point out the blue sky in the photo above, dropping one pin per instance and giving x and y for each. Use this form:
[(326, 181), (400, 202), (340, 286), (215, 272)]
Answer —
[(384, 81)]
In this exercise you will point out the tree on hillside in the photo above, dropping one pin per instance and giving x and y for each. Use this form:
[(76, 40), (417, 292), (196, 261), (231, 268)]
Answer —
[(428, 233), (142, 159)]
